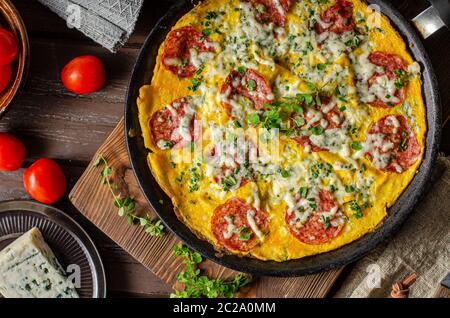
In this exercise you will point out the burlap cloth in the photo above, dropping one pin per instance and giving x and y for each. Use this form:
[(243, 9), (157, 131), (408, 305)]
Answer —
[(422, 246)]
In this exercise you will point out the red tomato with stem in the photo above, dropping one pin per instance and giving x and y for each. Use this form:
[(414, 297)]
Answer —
[(9, 47), (45, 181), (12, 152), (5, 76), (84, 75)]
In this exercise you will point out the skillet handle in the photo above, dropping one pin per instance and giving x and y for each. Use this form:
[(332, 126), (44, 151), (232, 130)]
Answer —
[(433, 18)]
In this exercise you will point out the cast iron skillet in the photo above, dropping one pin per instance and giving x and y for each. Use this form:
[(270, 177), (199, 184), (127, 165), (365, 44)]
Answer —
[(142, 74)]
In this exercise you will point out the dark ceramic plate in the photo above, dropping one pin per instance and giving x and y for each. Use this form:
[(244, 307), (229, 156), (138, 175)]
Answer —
[(404, 206), (69, 242)]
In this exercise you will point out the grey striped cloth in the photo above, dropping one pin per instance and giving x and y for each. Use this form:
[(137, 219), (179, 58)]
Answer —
[(108, 22)]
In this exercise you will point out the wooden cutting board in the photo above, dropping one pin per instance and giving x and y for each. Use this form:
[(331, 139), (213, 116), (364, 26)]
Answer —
[(95, 202)]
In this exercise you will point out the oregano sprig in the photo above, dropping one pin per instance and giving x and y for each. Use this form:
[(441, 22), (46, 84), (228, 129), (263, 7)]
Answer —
[(127, 206)]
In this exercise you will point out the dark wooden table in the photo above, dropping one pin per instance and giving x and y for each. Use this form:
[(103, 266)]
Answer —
[(57, 124)]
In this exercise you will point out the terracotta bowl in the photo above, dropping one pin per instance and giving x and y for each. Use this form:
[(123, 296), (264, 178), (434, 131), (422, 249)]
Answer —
[(10, 19)]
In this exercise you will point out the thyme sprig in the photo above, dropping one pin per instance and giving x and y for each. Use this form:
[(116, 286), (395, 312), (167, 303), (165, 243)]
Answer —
[(127, 206)]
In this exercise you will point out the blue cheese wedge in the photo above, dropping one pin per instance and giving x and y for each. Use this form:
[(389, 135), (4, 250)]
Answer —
[(29, 269)]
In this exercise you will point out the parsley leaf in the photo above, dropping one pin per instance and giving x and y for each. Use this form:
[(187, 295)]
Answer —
[(211, 15), (207, 32), (285, 173), (404, 143), (253, 119), (321, 66), (356, 145), (317, 130), (357, 211), (251, 85), (304, 192), (196, 285)]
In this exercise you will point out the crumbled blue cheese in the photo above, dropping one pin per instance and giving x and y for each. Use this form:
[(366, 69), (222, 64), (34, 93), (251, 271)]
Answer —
[(29, 269)]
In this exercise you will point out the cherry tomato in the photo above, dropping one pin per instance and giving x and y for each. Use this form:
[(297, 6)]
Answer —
[(12, 152), (84, 75), (9, 47), (5, 76), (45, 181)]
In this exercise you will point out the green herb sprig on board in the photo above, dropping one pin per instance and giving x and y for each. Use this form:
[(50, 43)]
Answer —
[(197, 285), (127, 206)]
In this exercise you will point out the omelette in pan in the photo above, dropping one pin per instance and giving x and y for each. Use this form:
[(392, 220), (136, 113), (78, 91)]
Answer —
[(283, 128)]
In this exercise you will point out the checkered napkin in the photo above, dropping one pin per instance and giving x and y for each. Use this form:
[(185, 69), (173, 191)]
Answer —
[(108, 22)]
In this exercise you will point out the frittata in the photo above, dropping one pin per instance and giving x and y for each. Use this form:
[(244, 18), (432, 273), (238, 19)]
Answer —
[(283, 128)]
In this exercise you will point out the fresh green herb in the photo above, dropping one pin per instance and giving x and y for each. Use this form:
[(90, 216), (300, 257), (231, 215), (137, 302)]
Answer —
[(195, 84), (356, 145), (318, 100), (333, 188), (299, 121), (127, 206), (311, 86), (285, 173), (196, 285), (251, 85), (200, 70), (357, 211), (207, 32), (211, 15), (237, 124), (272, 118), (327, 222), (400, 82), (342, 108), (244, 236), (254, 119), (404, 143), (242, 70), (349, 189), (321, 169), (400, 72), (194, 179), (340, 95), (304, 192), (317, 130), (321, 66), (228, 182)]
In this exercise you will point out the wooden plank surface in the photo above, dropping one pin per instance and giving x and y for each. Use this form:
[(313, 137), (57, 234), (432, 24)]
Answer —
[(156, 253), (56, 124)]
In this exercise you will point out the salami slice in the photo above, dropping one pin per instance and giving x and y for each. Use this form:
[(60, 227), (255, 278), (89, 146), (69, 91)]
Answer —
[(238, 226), (272, 10), (394, 67), (248, 83), (318, 228), (392, 145), (165, 124), (185, 49), (338, 19), (326, 114), (233, 170)]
